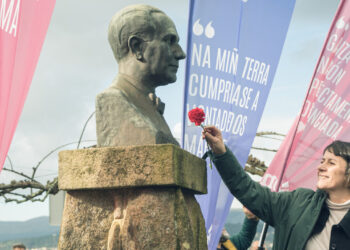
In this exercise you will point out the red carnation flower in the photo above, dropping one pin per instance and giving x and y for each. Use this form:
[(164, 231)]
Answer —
[(197, 116)]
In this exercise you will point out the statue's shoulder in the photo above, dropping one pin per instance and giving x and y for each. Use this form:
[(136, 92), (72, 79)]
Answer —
[(113, 105), (112, 95), (111, 91)]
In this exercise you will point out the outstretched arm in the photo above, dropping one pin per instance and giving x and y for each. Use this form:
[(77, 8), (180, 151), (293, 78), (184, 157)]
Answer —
[(268, 206)]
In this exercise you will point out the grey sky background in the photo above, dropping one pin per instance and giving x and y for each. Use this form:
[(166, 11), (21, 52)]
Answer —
[(76, 63)]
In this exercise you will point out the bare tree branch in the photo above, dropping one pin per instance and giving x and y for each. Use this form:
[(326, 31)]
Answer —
[(10, 192), (19, 173), (21, 184), (262, 133), (8, 189), (16, 190), (255, 166), (265, 149), (9, 160), (82, 132)]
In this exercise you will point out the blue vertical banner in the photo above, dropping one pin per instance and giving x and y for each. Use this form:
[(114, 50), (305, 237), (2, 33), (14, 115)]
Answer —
[(232, 55)]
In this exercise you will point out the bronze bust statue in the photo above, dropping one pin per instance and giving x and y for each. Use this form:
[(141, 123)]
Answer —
[(145, 44)]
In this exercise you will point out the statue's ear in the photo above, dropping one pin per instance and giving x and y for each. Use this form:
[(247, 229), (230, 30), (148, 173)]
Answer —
[(136, 46)]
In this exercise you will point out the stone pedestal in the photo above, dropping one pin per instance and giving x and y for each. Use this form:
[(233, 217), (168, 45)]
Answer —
[(133, 197)]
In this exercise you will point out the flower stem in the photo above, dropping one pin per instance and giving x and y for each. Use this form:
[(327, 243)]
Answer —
[(208, 148)]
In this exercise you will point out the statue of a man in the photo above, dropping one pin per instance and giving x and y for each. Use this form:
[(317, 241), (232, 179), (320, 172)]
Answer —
[(145, 44)]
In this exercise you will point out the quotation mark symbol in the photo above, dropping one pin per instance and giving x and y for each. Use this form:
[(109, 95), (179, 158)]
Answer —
[(209, 30), (198, 29)]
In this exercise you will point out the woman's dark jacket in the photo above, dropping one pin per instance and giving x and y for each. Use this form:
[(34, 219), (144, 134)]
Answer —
[(295, 215)]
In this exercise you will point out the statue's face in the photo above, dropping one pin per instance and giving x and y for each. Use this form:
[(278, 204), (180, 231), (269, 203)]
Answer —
[(162, 54)]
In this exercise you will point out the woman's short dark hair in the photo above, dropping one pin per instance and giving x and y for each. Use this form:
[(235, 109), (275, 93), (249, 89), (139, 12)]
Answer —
[(19, 246), (342, 149)]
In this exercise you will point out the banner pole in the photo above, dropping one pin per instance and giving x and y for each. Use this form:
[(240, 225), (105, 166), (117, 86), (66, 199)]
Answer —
[(263, 236)]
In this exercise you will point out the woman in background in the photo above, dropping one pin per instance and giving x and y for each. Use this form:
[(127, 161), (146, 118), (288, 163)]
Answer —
[(243, 239)]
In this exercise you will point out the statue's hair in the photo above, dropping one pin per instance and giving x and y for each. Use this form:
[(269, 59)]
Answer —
[(132, 20)]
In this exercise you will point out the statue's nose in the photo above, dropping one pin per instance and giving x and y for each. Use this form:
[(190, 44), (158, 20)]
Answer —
[(179, 53)]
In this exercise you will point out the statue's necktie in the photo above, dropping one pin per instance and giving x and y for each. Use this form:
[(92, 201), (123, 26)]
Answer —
[(157, 102)]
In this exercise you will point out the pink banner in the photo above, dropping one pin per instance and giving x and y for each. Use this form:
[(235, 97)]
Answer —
[(325, 115), (23, 26)]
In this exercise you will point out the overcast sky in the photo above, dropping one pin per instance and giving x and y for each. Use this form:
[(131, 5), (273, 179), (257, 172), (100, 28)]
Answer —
[(76, 63)]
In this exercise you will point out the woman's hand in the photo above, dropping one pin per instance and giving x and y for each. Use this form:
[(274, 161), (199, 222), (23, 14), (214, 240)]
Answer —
[(214, 138)]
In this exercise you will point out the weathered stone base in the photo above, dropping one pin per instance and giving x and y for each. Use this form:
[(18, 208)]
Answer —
[(147, 217), (151, 218)]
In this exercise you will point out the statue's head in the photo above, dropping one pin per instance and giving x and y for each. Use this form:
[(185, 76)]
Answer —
[(147, 37)]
